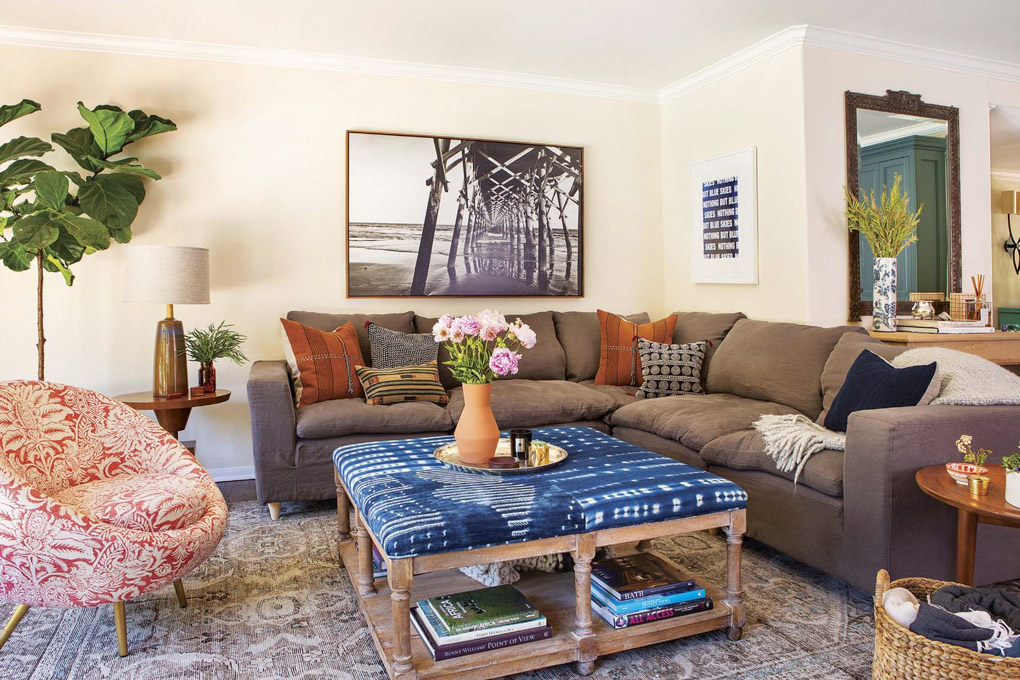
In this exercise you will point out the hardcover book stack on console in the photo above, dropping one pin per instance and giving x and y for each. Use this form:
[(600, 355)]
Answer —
[(939, 326), (477, 621), (642, 588)]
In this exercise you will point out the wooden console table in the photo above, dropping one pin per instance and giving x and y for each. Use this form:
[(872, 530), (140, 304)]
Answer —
[(1000, 347)]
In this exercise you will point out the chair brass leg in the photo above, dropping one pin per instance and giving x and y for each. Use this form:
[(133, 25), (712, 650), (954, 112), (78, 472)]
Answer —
[(12, 623), (120, 617), (182, 599)]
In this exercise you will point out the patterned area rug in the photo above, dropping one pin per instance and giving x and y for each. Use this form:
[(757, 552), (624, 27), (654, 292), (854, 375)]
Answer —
[(272, 603)]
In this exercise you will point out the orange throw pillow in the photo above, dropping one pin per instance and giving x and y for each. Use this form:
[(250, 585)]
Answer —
[(321, 363), (619, 361)]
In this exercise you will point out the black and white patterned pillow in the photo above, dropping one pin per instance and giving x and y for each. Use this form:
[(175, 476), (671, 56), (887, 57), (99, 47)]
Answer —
[(670, 369), (393, 349)]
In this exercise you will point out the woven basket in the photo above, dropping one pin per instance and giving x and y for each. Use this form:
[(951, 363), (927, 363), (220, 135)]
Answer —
[(902, 655)]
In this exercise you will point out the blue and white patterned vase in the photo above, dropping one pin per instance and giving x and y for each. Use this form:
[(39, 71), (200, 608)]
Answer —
[(884, 316)]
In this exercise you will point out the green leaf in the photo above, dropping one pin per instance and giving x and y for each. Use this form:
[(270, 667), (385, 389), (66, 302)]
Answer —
[(51, 189), (80, 145), (109, 127), (107, 199), (125, 165), (88, 232), (14, 257), (35, 231), (23, 146), (59, 266), (11, 111), (146, 125), (21, 171), (67, 249)]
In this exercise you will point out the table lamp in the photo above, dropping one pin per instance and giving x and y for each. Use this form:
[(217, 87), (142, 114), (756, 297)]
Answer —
[(168, 275)]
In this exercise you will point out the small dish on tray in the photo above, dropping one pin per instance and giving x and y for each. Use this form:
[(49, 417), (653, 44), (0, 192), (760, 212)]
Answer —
[(450, 457)]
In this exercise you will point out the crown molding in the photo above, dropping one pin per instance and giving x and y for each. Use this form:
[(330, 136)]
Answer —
[(318, 61), (926, 129), (1007, 175)]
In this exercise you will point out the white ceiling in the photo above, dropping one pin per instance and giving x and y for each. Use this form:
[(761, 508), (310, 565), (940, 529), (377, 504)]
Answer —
[(636, 43)]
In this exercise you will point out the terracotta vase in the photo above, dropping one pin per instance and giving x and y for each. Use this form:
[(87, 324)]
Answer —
[(477, 433)]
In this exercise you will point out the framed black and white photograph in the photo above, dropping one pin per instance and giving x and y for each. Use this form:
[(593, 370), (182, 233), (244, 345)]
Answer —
[(724, 219), (456, 217)]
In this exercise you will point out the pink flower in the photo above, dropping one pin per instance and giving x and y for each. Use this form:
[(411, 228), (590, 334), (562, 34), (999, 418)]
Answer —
[(504, 361), (457, 336), (524, 334), (491, 324), (466, 324), (446, 320), (440, 332)]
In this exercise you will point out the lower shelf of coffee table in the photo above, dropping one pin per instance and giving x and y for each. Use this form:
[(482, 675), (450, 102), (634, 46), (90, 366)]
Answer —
[(552, 594)]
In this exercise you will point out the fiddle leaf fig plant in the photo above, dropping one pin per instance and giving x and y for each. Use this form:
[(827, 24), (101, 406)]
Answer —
[(53, 218)]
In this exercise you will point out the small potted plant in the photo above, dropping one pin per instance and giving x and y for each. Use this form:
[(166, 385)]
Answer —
[(973, 461), (206, 346), (482, 347), (1012, 465)]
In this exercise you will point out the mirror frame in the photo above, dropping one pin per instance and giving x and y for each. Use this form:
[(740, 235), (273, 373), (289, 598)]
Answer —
[(902, 102)]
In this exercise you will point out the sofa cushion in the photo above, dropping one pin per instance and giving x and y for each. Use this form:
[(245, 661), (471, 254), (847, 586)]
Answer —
[(695, 420), (621, 394), (670, 370), (403, 322), (545, 361), (392, 349), (353, 416), (843, 356), (578, 332), (533, 403), (778, 362), (322, 363), (711, 326), (619, 361), (745, 450), (385, 386)]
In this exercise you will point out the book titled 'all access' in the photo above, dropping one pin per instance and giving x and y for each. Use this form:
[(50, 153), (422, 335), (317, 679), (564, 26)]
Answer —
[(636, 576)]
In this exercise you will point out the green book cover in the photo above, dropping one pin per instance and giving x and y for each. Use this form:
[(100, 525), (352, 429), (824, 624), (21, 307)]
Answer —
[(481, 609)]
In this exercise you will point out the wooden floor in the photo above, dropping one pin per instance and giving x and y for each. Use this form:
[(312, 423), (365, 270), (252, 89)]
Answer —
[(241, 490)]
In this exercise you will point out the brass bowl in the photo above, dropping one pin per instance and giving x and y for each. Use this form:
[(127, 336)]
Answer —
[(449, 456)]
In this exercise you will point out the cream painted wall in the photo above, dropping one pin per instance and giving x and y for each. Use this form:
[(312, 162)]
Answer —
[(256, 174), (1006, 291), (761, 106), (827, 74)]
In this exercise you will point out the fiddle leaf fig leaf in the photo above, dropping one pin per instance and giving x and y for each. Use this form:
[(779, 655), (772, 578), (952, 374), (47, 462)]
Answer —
[(11, 111), (14, 256), (109, 126), (125, 165), (36, 231), (147, 125), (21, 171), (59, 266), (88, 232), (51, 189), (23, 146), (67, 249), (107, 199), (80, 145)]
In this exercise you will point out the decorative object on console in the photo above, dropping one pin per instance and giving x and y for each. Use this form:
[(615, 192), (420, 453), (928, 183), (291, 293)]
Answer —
[(516, 228), (724, 218), (668, 369), (405, 383), (55, 227), (322, 364), (168, 275), (958, 304), (1011, 206), (392, 349), (874, 383), (978, 308), (206, 346), (1011, 463), (482, 348), (619, 361), (923, 310), (889, 226)]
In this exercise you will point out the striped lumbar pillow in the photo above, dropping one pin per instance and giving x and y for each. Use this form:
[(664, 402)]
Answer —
[(403, 383)]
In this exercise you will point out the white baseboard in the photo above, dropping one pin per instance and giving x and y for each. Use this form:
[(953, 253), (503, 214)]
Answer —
[(232, 474)]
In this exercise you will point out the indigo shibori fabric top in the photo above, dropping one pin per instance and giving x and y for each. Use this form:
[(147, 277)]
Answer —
[(417, 506)]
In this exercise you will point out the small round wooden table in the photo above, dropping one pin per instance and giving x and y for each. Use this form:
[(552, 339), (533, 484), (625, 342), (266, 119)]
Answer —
[(990, 509), (172, 414)]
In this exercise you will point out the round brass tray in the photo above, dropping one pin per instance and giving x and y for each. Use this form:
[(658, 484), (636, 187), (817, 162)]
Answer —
[(450, 457)]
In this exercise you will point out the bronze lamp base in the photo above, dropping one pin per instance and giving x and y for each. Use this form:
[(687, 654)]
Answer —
[(170, 365)]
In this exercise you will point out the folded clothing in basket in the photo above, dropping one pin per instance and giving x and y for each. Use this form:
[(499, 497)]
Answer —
[(999, 603), (975, 630)]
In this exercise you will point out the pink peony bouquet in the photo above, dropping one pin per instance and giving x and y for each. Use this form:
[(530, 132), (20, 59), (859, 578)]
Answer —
[(483, 346)]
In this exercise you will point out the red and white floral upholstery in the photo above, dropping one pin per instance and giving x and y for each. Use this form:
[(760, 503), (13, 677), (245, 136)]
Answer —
[(98, 504)]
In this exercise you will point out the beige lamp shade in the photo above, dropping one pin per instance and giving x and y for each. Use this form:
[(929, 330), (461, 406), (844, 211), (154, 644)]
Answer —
[(1011, 202), (168, 275)]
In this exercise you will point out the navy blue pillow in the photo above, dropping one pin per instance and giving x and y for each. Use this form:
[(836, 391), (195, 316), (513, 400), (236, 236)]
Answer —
[(873, 383)]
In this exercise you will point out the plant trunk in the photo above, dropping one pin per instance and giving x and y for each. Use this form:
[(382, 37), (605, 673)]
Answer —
[(40, 346)]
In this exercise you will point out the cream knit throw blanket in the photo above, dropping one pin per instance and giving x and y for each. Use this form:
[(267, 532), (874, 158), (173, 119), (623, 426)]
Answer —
[(791, 439)]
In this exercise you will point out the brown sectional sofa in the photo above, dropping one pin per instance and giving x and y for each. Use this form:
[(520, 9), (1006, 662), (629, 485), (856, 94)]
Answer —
[(850, 514)]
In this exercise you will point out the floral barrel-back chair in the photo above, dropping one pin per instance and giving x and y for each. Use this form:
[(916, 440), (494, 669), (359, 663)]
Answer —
[(98, 504)]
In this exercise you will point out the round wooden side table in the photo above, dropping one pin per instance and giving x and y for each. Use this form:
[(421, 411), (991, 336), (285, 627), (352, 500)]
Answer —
[(172, 414), (990, 509)]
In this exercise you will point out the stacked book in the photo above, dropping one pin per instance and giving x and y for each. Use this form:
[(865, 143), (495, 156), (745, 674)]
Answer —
[(378, 563), (939, 326), (477, 621), (642, 588)]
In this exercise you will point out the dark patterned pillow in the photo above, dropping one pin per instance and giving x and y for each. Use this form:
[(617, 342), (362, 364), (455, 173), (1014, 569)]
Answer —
[(670, 369), (392, 349)]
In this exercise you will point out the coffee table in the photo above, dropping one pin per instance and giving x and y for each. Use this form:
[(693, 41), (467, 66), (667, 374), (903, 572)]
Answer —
[(428, 521), (990, 509)]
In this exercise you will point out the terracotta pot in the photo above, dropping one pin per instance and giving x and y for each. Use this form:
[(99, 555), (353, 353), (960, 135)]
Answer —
[(477, 433)]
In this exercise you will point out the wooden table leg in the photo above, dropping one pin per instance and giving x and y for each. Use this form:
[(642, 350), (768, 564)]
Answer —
[(366, 580), (343, 510), (587, 642), (400, 575), (734, 593), (173, 420), (966, 541)]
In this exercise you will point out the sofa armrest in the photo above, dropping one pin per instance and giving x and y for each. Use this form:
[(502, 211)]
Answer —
[(889, 523), (273, 430)]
